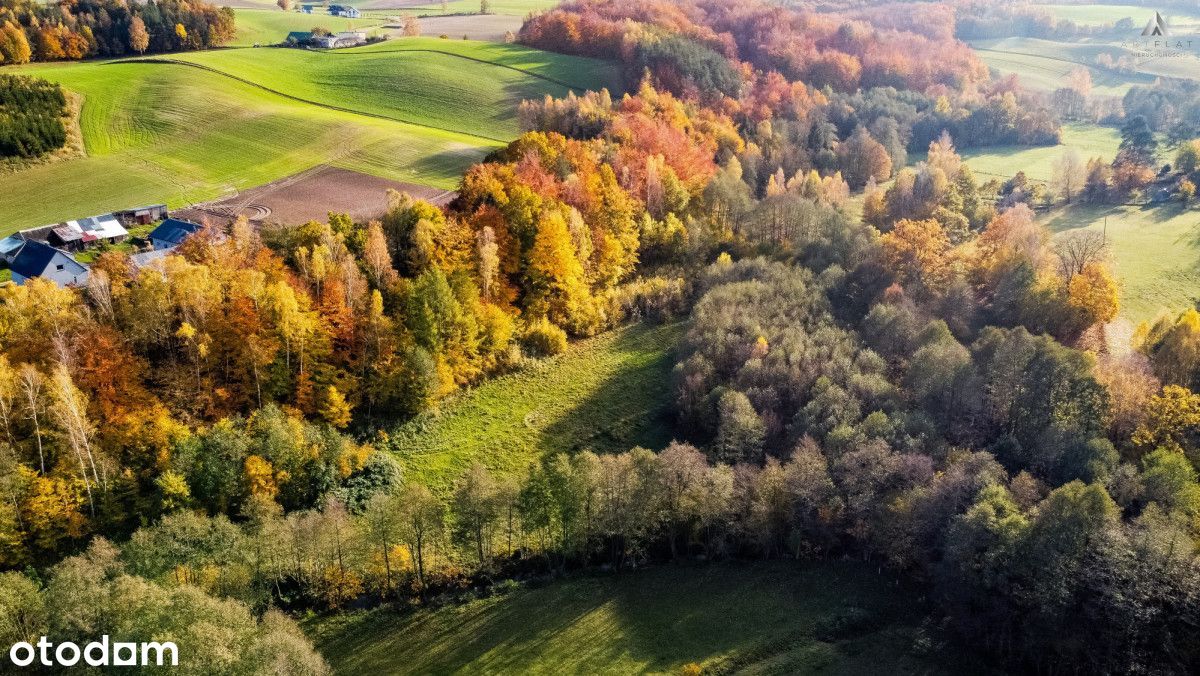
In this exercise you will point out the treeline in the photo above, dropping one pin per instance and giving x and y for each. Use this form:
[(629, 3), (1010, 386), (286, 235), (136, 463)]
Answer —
[(31, 112), (37, 31), (93, 595)]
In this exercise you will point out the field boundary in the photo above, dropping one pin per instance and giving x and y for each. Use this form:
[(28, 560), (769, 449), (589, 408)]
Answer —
[(327, 106)]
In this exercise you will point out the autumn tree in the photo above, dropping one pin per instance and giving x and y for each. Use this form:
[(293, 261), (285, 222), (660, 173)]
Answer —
[(139, 38), (1069, 174)]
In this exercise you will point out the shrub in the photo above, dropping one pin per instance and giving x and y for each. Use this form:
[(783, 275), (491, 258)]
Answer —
[(543, 339)]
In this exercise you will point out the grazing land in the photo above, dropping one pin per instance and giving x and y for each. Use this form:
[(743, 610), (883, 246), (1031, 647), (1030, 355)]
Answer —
[(606, 394), (1155, 252), (417, 115), (1038, 161), (771, 617)]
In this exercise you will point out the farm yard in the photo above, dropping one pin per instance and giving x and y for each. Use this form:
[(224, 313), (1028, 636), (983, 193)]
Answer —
[(420, 114), (271, 26)]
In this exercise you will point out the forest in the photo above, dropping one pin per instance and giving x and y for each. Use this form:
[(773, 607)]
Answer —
[(38, 31), (31, 113), (918, 386)]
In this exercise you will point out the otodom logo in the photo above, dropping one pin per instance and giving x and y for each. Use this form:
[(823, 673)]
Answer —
[(101, 653)]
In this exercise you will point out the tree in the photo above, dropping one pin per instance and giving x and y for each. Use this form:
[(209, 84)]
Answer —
[(919, 252), (285, 5), (1138, 145), (476, 508), (383, 528), (1069, 174), (1187, 190), (412, 27), (485, 7), (1078, 249), (863, 159), (334, 408), (1172, 423), (740, 432), (1094, 293), (1187, 159), (422, 516), (139, 38)]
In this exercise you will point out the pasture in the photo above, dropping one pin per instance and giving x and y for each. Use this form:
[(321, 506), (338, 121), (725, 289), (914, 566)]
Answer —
[(421, 115), (1001, 162), (608, 394), (1155, 253), (766, 617), (1100, 14)]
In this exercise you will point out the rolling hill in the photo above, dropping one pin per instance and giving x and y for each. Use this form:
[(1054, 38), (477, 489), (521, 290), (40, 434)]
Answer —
[(416, 110)]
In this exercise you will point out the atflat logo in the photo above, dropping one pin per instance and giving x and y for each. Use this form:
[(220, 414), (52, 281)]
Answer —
[(1155, 27)]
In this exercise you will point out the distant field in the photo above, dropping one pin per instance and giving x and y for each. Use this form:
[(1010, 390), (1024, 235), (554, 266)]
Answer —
[(271, 26), (762, 618), (607, 394), (1155, 252), (1044, 64), (157, 132)]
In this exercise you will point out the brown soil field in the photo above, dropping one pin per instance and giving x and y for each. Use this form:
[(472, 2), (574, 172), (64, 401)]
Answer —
[(310, 195), (486, 27)]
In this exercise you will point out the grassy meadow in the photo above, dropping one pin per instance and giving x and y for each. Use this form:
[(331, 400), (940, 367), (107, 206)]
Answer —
[(607, 394), (1155, 252), (1099, 14), (150, 134), (777, 617)]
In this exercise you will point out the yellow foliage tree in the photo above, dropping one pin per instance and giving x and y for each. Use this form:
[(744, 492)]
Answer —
[(1094, 293), (334, 408)]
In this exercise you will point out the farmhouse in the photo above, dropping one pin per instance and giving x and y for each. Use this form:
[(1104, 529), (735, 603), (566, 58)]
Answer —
[(171, 233), (345, 10), (38, 259), (79, 235)]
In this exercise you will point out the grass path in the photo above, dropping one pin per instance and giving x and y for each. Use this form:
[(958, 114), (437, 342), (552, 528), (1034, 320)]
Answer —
[(762, 618), (607, 394)]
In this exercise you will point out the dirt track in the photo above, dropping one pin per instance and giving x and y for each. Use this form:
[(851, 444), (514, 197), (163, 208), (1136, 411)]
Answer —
[(311, 195)]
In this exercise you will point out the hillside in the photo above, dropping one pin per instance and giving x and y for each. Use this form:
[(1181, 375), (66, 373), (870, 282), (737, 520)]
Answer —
[(772, 617), (415, 115), (606, 394)]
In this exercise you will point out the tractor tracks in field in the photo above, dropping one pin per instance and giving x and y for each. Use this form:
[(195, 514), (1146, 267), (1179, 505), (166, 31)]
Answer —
[(299, 99)]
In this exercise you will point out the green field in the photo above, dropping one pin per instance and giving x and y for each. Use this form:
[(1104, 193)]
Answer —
[(1038, 161), (607, 394), (763, 618), (151, 133), (1155, 253), (271, 26), (509, 7)]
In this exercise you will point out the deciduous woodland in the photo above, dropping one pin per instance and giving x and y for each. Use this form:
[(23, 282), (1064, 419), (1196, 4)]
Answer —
[(921, 387), (77, 29)]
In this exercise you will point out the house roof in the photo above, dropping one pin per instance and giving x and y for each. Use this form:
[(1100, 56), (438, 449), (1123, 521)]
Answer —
[(33, 259), (144, 258), (300, 36), (174, 230)]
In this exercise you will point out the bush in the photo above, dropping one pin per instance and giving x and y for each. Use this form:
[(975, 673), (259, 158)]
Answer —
[(543, 339)]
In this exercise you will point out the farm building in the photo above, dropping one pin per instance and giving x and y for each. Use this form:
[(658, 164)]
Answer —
[(339, 40), (345, 10), (79, 235), (145, 259), (171, 233), (37, 259), (142, 215)]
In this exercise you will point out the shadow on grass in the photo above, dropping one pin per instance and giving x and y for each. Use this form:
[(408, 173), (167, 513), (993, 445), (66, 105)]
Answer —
[(632, 407), (730, 616)]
